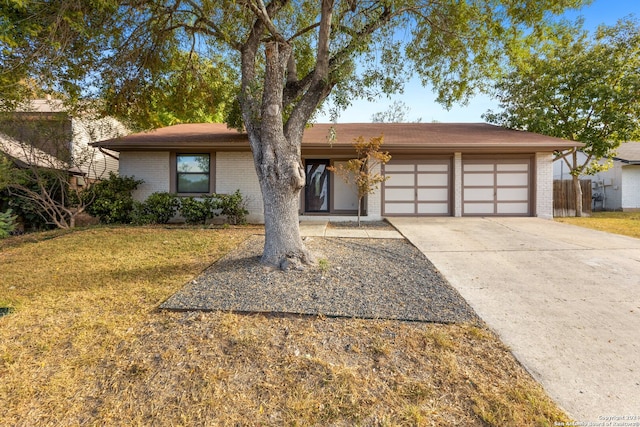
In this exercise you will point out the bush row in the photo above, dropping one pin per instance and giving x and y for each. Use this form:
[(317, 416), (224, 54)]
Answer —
[(112, 202)]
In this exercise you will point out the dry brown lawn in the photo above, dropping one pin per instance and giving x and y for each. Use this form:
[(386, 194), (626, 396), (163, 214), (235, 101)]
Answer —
[(86, 345), (625, 223)]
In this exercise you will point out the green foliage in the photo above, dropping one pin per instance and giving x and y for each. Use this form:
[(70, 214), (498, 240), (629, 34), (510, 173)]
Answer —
[(111, 200), (233, 207), (159, 208), (17, 188), (198, 211), (577, 87), (183, 88), (7, 223), (159, 64)]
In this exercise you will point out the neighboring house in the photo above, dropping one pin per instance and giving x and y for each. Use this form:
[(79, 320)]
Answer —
[(617, 188), (43, 126), (23, 156), (437, 169)]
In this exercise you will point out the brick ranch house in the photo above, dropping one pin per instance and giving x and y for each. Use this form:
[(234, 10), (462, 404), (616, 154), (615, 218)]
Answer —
[(437, 169)]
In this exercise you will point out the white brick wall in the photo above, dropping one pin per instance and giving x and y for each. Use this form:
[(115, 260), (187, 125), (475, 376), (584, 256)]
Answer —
[(235, 171), (630, 187), (544, 185), (152, 167)]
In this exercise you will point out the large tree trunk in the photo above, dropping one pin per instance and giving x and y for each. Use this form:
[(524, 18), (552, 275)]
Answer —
[(283, 246), (276, 137), (278, 163)]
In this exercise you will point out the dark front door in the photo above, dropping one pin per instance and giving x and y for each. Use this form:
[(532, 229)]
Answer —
[(316, 196)]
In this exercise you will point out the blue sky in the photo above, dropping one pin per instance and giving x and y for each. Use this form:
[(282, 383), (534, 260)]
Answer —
[(421, 101)]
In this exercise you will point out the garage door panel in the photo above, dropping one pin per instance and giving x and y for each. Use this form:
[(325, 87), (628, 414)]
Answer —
[(478, 208), (513, 208), (417, 187), (496, 187), (478, 194), (434, 167), (478, 179), (513, 179), (395, 167), (400, 208), (517, 194), (512, 167), (477, 167), (400, 194), (434, 194), (433, 179), (401, 180), (433, 208)]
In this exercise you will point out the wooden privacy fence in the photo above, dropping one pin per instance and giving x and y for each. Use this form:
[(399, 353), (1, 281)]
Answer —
[(564, 200)]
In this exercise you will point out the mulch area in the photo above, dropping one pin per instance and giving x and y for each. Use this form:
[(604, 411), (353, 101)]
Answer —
[(354, 278)]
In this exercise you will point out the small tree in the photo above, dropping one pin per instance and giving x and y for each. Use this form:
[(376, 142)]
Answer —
[(44, 170), (360, 171)]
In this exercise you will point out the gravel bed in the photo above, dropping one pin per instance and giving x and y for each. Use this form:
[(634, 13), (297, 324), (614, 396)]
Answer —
[(363, 278)]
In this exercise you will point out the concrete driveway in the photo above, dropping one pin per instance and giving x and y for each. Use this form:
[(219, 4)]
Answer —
[(565, 299)]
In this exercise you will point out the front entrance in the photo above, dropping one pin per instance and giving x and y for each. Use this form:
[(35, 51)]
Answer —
[(316, 195)]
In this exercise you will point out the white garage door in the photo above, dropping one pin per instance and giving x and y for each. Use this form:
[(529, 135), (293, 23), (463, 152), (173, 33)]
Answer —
[(496, 187), (417, 188)]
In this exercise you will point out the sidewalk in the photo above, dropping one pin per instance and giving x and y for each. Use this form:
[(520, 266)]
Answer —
[(321, 229)]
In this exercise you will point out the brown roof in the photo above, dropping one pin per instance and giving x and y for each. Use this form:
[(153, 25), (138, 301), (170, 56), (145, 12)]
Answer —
[(628, 152), (409, 137)]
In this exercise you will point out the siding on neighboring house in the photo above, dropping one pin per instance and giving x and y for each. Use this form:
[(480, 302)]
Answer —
[(631, 187), (150, 166), (94, 163)]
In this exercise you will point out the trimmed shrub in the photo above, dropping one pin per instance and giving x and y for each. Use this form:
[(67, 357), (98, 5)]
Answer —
[(111, 200), (233, 206), (159, 208), (197, 211)]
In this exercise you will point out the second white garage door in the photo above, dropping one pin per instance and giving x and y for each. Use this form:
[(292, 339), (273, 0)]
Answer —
[(496, 187), (417, 187)]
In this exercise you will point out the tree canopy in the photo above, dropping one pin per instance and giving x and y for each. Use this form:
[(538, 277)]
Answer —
[(288, 56), (579, 87)]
